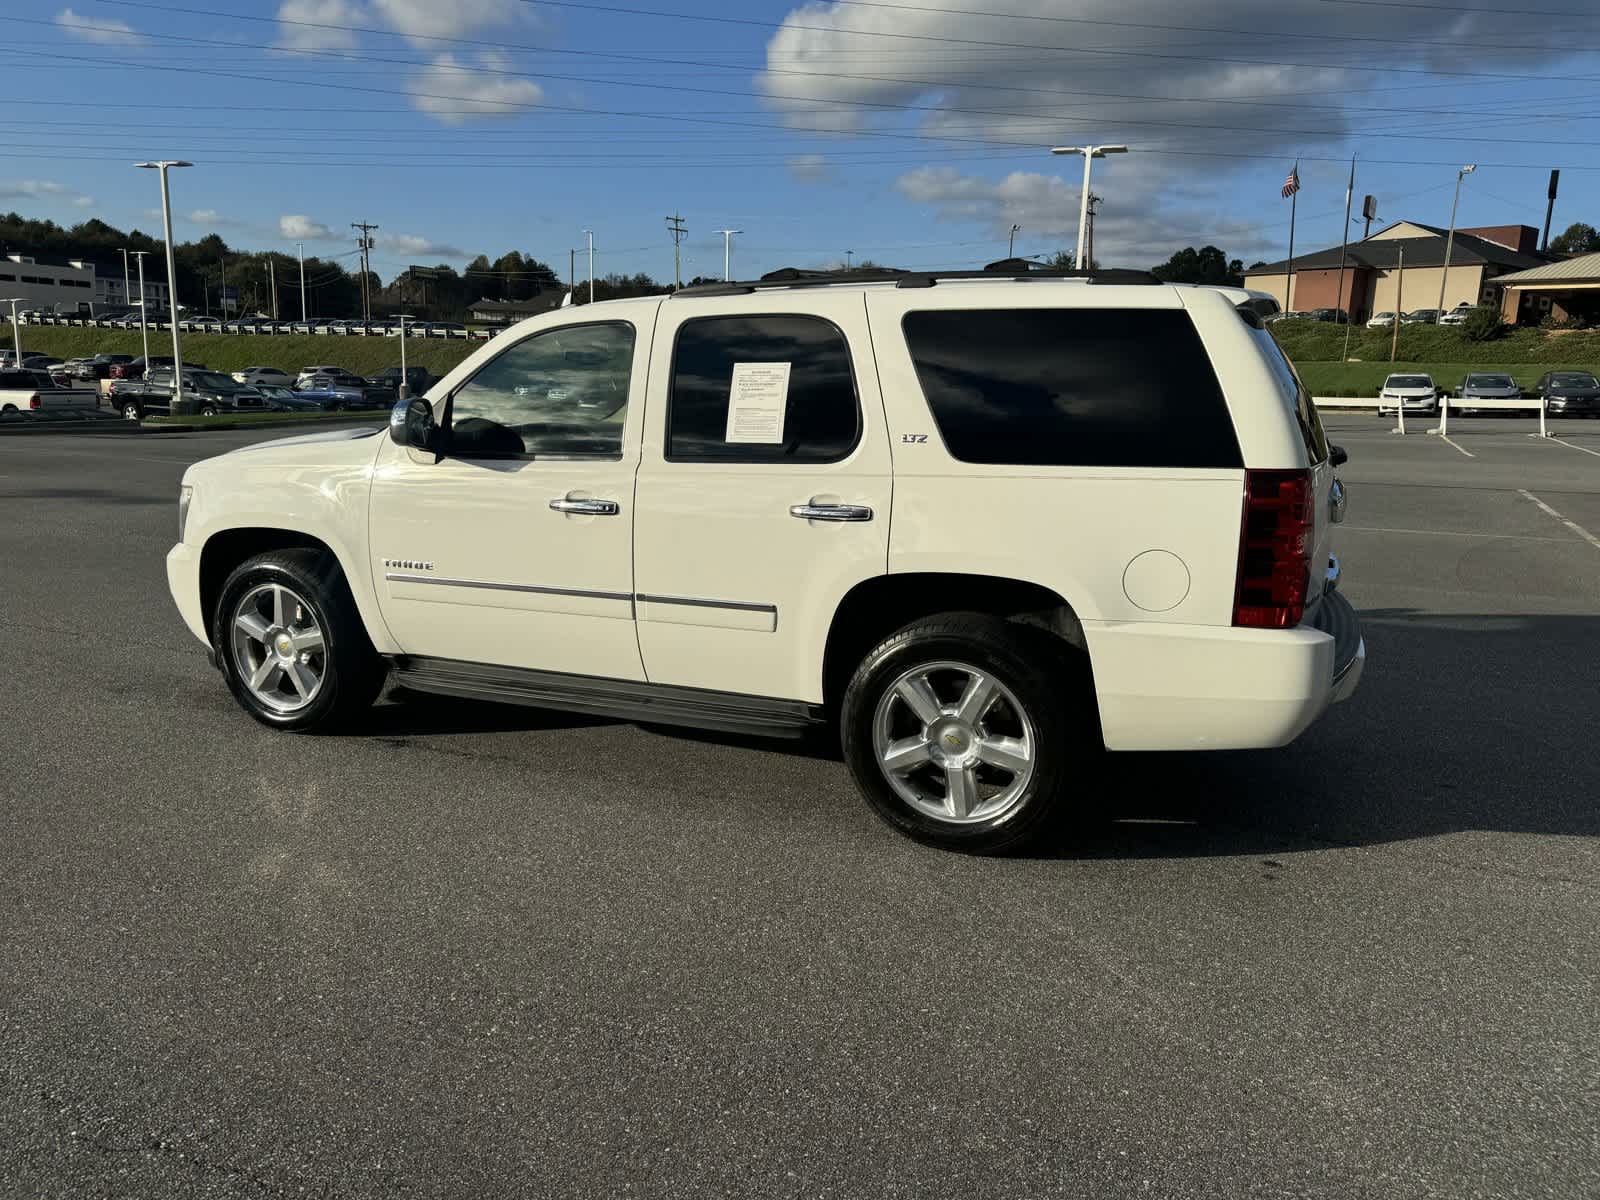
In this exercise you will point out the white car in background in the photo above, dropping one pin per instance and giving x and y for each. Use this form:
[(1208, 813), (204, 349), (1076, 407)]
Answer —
[(1417, 392), (1457, 315), (268, 375), (1382, 320)]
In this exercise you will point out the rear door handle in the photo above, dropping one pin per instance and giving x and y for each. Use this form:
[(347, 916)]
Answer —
[(831, 512), (587, 508)]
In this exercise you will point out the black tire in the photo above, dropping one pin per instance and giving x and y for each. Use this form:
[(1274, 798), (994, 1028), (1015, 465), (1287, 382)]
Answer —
[(352, 671), (131, 411), (1049, 681), (208, 410)]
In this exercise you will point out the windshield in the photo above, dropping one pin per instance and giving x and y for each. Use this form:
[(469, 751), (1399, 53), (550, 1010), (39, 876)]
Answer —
[(1408, 381), (1491, 381), (1580, 381)]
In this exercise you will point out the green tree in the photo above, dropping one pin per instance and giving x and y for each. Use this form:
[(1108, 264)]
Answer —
[(1577, 238), (1205, 265)]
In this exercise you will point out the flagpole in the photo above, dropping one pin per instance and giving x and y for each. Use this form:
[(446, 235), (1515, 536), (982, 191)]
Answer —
[(1344, 243), (1288, 275)]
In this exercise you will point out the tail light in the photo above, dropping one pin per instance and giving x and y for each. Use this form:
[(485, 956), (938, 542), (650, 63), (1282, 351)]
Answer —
[(33, 401), (1274, 550)]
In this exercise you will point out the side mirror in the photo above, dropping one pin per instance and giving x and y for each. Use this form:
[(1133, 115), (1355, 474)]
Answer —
[(1337, 456), (411, 424)]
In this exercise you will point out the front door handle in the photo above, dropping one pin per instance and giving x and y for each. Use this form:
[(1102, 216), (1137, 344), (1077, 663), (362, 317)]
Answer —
[(831, 512), (586, 508)]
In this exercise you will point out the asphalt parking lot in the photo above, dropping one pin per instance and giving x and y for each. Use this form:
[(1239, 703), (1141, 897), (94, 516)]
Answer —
[(478, 952)]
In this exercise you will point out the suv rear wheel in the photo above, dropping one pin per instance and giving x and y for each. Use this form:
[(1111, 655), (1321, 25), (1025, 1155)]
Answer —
[(971, 733), (291, 644)]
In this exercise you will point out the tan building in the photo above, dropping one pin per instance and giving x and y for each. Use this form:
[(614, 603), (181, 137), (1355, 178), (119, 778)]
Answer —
[(1375, 282), (1564, 290)]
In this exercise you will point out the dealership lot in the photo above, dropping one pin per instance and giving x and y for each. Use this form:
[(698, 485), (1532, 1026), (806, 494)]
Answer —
[(485, 951)]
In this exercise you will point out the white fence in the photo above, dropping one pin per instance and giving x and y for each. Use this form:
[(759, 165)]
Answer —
[(1517, 405)]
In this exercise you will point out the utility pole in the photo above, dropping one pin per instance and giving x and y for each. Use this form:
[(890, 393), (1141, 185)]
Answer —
[(1399, 306), (1094, 202), (302, 246), (679, 231), (1450, 239), (590, 232), (1011, 243), (727, 251), (222, 289), (272, 276), (365, 242), (572, 274), (849, 255), (127, 291)]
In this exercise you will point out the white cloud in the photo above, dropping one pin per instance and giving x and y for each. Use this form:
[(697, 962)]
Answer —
[(810, 168), (206, 216), (451, 91), (98, 29), (417, 246), (39, 189), (327, 24), (424, 19), (302, 228)]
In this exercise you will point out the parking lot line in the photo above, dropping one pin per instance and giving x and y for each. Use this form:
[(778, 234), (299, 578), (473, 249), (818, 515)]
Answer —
[(1572, 525), (1585, 449), (1445, 438), (1461, 533)]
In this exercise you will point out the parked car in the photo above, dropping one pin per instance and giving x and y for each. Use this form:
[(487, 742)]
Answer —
[(98, 367), (1420, 316), (214, 391), (200, 324), (47, 363), (970, 667), (446, 329), (24, 391), (418, 379), (1484, 385), (256, 376), (352, 392), (1336, 316), (1417, 392), (1382, 320), (1457, 315), (1570, 393), (331, 372), (283, 399)]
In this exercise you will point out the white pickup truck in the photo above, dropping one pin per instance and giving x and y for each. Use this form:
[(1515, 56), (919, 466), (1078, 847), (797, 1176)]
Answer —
[(985, 528), (35, 392)]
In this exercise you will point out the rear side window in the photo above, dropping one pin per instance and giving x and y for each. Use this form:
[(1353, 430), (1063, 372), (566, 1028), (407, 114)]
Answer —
[(820, 416), (1072, 387), (1295, 394)]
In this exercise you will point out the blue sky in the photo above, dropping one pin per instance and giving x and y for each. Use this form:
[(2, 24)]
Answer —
[(912, 133)]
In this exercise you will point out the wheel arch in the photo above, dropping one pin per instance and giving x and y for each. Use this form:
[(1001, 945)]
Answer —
[(876, 607), (227, 548)]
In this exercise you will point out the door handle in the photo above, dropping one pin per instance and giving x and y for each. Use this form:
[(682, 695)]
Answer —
[(831, 512), (587, 508)]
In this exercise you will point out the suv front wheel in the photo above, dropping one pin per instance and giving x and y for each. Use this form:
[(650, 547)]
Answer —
[(971, 733), (290, 642)]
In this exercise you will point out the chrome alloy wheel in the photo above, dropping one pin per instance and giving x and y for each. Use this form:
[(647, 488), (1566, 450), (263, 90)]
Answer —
[(954, 743), (278, 648)]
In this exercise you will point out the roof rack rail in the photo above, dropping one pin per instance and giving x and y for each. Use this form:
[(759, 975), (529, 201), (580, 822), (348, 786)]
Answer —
[(793, 277)]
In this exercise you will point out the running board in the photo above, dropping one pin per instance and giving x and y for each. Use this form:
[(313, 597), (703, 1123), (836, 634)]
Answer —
[(623, 699)]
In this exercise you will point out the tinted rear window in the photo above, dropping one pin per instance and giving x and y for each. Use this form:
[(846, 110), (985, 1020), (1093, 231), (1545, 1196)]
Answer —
[(1072, 387)]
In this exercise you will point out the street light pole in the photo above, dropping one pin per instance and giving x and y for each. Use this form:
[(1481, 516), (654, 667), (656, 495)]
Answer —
[(1011, 242), (1449, 241), (163, 165), (144, 328), (590, 232), (405, 332), (16, 327), (302, 246), (1090, 153), (126, 291), (727, 252)]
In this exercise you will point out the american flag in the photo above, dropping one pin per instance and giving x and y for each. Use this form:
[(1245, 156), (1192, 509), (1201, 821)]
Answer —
[(1291, 185)]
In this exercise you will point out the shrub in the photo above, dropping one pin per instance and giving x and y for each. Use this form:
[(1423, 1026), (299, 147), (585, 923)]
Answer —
[(1483, 325)]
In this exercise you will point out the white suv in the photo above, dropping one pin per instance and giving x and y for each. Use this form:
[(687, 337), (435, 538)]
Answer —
[(985, 528)]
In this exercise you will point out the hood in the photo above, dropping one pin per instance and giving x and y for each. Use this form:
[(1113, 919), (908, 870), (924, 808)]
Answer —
[(1408, 391), (1587, 393), (308, 439)]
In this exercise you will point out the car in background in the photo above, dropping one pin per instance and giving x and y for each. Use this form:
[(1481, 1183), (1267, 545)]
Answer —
[(418, 379), (1417, 393), (1570, 393), (98, 367), (1333, 316), (446, 329), (1484, 385), (284, 399), (307, 324), (1420, 316), (1457, 315), (331, 372), (196, 324), (24, 391), (1381, 320), (256, 376), (340, 393), (48, 363), (214, 391)]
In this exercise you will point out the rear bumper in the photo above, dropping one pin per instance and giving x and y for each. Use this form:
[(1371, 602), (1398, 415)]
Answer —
[(1188, 687)]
